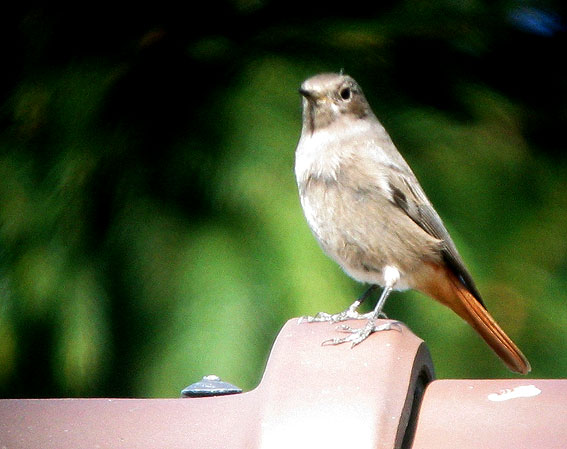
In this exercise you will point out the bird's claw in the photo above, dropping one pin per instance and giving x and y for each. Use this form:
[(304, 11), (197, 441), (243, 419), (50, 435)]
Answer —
[(345, 315), (319, 317), (359, 335)]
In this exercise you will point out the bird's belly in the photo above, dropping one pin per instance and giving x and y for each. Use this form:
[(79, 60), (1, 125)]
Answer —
[(350, 230)]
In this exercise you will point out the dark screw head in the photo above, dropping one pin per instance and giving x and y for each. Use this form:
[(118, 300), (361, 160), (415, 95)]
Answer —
[(209, 386)]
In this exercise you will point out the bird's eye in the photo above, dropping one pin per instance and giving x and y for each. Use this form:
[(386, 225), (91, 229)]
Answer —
[(345, 93)]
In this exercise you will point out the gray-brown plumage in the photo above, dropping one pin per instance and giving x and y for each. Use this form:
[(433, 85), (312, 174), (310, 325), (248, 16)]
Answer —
[(369, 213)]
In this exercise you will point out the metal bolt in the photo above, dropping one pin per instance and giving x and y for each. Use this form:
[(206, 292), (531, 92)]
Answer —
[(210, 385)]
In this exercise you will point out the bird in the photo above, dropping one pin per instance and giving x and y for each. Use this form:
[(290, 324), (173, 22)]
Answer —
[(369, 213)]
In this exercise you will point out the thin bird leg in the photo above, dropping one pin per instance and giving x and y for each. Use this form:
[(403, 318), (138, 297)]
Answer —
[(381, 301), (348, 314), (359, 335)]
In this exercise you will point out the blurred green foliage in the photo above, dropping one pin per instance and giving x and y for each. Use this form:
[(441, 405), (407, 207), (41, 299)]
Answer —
[(150, 227)]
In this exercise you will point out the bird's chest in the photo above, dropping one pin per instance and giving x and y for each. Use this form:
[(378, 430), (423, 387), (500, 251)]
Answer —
[(320, 200), (333, 212)]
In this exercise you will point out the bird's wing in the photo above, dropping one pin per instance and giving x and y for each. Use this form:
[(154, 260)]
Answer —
[(408, 195)]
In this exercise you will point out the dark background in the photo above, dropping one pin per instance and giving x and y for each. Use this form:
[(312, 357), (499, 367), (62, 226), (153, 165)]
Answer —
[(150, 227)]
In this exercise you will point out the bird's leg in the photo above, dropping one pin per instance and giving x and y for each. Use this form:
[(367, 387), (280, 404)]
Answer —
[(348, 314), (359, 335)]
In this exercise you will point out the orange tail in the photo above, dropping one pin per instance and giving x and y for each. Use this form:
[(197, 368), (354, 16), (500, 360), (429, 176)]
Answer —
[(454, 295)]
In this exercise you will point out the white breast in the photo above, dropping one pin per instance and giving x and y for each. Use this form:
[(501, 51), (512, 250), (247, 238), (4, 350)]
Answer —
[(321, 154), (313, 155)]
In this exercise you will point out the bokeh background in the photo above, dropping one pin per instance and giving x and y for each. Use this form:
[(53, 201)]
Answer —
[(150, 227)]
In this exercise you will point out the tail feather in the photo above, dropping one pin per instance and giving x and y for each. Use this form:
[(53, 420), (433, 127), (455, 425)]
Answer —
[(467, 306), (479, 318)]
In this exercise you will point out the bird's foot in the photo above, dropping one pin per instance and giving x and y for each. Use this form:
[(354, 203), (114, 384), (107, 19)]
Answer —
[(359, 335), (345, 315), (333, 318)]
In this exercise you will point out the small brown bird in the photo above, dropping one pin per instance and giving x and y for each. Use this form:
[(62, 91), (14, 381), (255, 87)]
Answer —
[(369, 213)]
